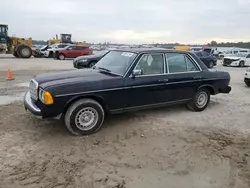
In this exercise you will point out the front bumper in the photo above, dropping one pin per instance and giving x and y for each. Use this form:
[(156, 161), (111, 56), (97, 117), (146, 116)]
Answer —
[(29, 104), (231, 63), (247, 75), (247, 80), (225, 89), (79, 64)]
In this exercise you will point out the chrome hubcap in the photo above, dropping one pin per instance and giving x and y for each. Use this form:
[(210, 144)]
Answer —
[(86, 118), (202, 99), (61, 56)]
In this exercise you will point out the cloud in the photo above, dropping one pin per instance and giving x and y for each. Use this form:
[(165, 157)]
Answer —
[(128, 21)]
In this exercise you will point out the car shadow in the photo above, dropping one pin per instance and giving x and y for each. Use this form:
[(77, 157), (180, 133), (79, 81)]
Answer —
[(118, 121)]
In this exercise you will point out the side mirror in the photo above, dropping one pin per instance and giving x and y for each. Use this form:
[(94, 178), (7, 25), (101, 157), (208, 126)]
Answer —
[(136, 72)]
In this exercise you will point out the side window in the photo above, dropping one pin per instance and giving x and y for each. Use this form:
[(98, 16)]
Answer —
[(179, 63), (151, 64), (248, 56), (235, 52), (80, 47), (190, 65), (205, 54), (198, 54), (73, 47)]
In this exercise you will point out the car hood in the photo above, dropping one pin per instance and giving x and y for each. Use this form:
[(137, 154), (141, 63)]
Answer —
[(72, 76), (87, 57), (232, 58)]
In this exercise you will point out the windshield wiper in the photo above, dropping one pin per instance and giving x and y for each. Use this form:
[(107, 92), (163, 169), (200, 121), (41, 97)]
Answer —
[(104, 69), (107, 71)]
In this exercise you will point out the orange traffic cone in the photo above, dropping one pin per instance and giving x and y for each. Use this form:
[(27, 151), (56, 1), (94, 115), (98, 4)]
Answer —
[(9, 75)]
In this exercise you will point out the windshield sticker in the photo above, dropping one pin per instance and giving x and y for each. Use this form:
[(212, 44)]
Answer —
[(127, 54)]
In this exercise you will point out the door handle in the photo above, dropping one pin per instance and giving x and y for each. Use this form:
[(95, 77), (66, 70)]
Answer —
[(197, 77), (163, 80)]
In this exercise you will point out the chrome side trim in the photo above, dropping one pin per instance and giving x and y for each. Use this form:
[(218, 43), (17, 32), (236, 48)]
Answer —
[(120, 88), (149, 106)]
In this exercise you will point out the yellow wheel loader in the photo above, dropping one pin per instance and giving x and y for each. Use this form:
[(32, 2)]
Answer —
[(65, 38), (19, 47)]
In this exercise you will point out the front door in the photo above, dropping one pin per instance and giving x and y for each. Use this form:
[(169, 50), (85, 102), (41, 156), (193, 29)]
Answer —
[(71, 51), (247, 60), (146, 87)]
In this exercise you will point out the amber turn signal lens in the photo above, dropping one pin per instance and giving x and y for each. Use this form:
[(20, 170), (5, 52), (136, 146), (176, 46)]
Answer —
[(48, 99)]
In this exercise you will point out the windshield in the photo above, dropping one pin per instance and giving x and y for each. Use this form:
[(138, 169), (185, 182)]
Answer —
[(116, 62), (239, 55)]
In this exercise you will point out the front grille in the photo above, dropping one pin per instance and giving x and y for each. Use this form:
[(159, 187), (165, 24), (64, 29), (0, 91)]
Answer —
[(34, 89)]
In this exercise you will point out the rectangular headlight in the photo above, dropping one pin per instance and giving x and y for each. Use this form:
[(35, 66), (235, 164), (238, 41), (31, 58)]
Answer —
[(83, 60)]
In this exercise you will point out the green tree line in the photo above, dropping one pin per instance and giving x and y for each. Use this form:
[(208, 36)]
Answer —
[(230, 44)]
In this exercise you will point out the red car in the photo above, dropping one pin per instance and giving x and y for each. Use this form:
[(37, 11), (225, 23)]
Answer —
[(72, 52)]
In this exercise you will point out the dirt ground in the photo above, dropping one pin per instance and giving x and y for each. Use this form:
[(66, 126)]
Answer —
[(166, 147)]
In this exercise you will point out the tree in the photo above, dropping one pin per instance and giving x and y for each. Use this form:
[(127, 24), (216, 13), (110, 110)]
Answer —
[(213, 43)]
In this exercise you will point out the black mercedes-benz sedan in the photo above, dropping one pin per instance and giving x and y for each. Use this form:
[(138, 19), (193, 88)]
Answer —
[(124, 80)]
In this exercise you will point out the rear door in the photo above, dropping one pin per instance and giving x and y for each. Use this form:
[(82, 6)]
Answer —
[(183, 78)]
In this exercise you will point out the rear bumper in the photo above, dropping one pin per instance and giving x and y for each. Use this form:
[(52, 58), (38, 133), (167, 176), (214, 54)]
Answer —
[(29, 105), (225, 89)]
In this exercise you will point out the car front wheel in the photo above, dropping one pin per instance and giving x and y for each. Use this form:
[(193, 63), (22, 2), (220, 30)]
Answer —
[(242, 64), (199, 101), (84, 117)]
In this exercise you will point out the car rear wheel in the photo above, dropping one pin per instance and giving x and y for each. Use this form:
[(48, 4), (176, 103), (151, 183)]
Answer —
[(84, 117), (61, 56), (199, 101), (211, 64), (248, 84), (242, 64)]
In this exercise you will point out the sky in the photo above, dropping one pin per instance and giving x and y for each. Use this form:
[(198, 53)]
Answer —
[(130, 21)]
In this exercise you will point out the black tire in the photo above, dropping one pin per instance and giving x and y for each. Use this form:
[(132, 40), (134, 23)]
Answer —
[(247, 84), (15, 54), (91, 64), (211, 64), (194, 104), (61, 56), (24, 51), (76, 112), (242, 64), (51, 55)]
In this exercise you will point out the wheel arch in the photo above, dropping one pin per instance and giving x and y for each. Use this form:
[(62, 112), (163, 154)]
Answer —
[(96, 98), (210, 88), (92, 61)]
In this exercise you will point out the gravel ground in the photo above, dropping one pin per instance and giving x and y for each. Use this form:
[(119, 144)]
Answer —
[(165, 147)]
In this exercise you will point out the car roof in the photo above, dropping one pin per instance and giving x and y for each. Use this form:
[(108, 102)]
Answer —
[(148, 50)]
